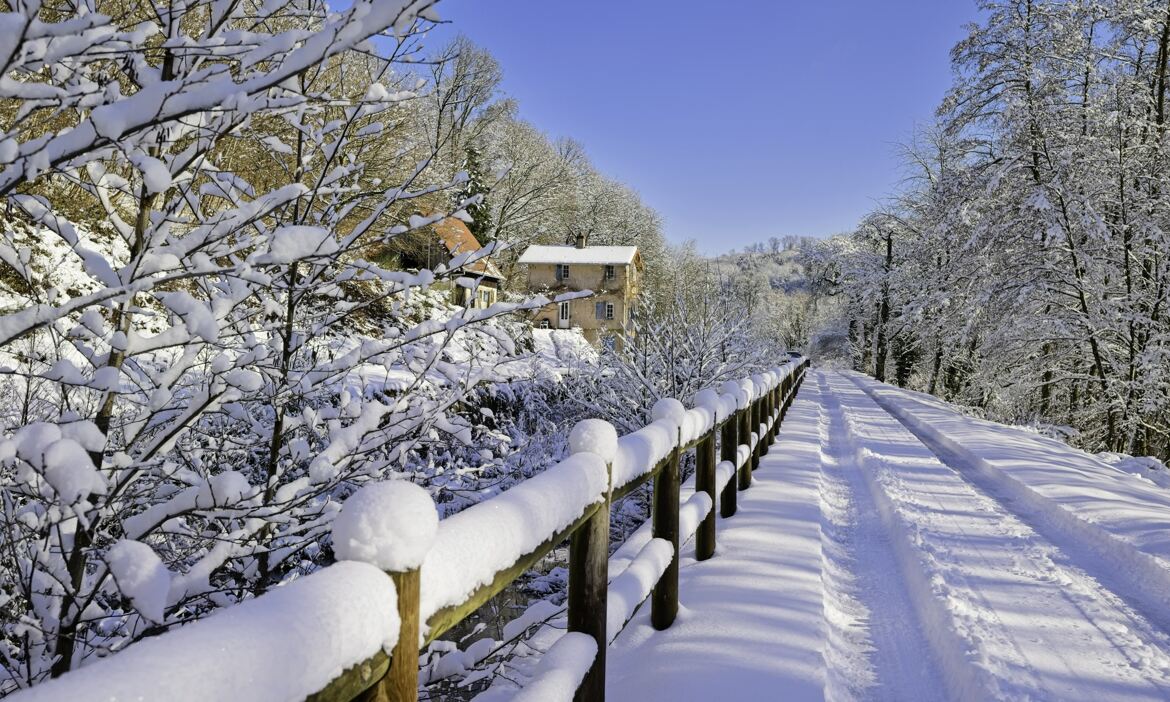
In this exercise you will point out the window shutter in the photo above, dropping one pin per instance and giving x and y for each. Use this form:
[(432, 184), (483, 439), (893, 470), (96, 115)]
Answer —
[(559, 276), (599, 310)]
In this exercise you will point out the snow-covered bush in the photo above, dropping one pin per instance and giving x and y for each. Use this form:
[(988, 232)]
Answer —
[(195, 205)]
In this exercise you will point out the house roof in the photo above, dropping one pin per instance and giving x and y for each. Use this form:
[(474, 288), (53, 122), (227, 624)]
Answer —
[(458, 239), (603, 255)]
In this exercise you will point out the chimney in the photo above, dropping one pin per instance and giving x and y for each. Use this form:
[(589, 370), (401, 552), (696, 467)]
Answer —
[(580, 242)]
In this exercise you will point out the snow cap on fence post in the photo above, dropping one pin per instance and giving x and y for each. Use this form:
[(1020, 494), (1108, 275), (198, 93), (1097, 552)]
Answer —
[(709, 400), (733, 388), (669, 409), (390, 524), (595, 436)]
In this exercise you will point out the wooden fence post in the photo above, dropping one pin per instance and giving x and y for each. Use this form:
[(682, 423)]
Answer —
[(705, 482), (728, 444), (403, 561), (762, 422), (769, 407), (403, 675), (589, 566), (743, 419), (758, 450), (664, 599), (588, 587), (777, 398)]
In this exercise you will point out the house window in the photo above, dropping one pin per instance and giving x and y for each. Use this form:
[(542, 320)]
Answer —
[(564, 311), (603, 310), (610, 273), (609, 310), (562, 271)]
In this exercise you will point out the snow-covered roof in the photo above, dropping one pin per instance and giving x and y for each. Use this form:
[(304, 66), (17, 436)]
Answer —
[(603, 255)]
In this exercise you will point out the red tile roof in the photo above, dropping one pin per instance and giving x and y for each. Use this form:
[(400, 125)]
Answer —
[(458, 239)]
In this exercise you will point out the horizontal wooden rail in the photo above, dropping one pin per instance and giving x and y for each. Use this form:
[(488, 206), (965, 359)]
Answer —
[(441, 621)]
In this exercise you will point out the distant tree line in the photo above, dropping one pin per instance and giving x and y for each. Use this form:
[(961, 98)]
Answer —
[(1025, 267)]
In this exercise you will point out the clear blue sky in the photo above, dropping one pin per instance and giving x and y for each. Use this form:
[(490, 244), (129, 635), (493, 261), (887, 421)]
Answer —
[(760, 118)]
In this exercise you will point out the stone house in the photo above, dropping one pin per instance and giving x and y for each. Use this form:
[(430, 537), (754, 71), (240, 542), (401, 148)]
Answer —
[(611, 272)]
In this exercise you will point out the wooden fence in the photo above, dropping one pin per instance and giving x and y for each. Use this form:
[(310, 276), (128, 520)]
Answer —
[(732, 439), (728, 432)]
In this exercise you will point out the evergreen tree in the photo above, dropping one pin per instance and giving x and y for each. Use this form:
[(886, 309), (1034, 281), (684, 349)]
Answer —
[(476, 184)]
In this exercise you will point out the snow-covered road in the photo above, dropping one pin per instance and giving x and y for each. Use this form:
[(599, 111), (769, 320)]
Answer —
[(891, 548)]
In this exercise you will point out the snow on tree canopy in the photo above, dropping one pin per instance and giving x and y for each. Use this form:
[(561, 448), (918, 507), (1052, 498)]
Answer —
[(284, 645), (141, 577), (594, 436), (391, 524), (42, 449), (291, 243)]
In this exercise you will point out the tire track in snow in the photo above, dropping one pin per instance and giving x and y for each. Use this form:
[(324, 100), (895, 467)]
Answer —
[(1134, 577), (877, 650), (1035, 626), (849, 672)]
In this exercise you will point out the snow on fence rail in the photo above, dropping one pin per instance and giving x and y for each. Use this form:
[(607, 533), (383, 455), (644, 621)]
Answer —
[(334, 635)]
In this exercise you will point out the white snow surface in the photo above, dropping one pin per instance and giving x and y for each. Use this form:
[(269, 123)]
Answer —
[(724, 472), (868, 562), (390, 524), (692, 513), (889, 548), (750, 624), (560, 670), (1148, 467), (1008, 613), (563, 349), (1110, 515), (633, 585), (640, 450), (61, 459), (671, 410), (595, 436), (282, 646), (596, 255)]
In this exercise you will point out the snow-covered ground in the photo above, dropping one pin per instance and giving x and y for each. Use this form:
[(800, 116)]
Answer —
[(750, 622), (891, 548)]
